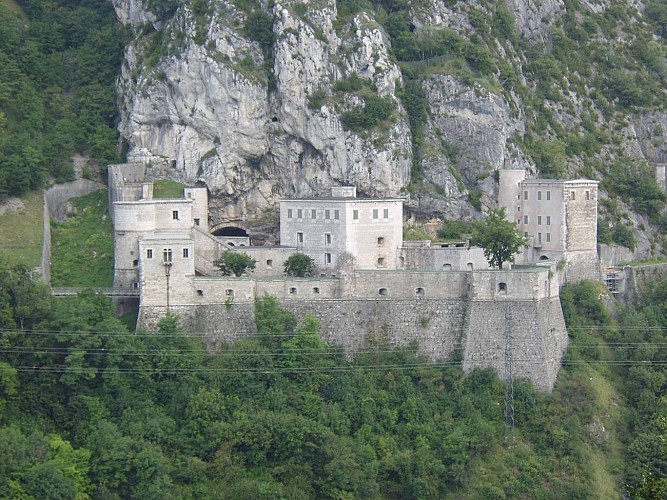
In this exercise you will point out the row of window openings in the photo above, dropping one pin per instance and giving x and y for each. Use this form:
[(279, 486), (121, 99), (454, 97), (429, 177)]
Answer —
[(573, 195), (167, 254), (376, 214), (328, 239), (539, 219), (313, 213), (539, 237), (174, 216)]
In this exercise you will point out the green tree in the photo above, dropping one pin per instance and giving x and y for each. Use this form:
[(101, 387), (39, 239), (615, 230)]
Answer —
[(499, 238), (235, 263), (299, 265)]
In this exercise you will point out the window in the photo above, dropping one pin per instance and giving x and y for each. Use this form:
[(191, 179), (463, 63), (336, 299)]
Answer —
[(381, 262), (539, 195), (525, 219), (327, 238), (548, 237), (572, 195), (419, 291), (518, 209), (316, 290), (502, 287), (200, 292), (548, 195), (383, 291), (525, 233), (381, 241), (336, 214), (447, 267), (327, 258), (289, 213), (229, 292), (525, 195), (539, 237), (269, 264), (327, 214), (135, 285), (518, 221), (135, 263), (470, 266), (196, 222), (386, 213), (375, 213), (292, 290), (588, 195), (299, 213), (539, 220), (186, 253), (149, 253), (355, 214), (174, 214), (313, 214), (299, 237), (548, 220), (166, 254)]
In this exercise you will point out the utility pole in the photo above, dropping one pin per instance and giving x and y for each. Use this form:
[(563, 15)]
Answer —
[(509, 381)]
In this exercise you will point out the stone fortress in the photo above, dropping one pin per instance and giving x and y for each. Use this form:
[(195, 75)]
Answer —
[(371, 288)]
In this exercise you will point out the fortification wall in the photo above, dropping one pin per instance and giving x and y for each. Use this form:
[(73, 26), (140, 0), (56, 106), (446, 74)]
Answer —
[(538, 339), (443, 256)]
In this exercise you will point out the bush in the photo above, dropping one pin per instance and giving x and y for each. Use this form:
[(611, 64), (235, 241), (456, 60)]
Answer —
[(623, 235), (376, 109), (235, 263), (299, 265)]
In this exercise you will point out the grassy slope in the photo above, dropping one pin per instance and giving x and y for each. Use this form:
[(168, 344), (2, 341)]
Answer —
[(167, 189), (82, 247), (21, 234)]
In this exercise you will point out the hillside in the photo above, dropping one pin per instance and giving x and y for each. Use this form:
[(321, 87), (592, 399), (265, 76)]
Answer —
[(428, 98)]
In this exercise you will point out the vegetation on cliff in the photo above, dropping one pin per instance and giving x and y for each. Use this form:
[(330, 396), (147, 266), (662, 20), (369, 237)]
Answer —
[(89, 409)]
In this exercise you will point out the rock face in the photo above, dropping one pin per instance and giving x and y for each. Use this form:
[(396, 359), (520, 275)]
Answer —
[(261, 102)]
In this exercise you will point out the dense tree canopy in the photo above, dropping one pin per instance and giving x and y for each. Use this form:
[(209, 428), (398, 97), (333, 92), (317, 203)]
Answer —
[(89, 410), (235, 263)]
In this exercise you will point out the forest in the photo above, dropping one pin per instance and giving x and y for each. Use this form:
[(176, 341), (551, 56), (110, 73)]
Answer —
[(89, 409)]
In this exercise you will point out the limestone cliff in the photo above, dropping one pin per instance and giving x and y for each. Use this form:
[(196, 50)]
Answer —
[(429, 99)]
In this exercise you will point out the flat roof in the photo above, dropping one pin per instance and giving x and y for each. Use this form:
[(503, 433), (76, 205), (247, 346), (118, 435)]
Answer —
[(343, 198)]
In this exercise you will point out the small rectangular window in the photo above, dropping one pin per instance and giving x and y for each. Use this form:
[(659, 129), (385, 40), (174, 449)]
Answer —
[(336, 214), (525, 233), (518, 221), (327, 214), (196, 222), (313, 214), (299, 214), (539, 237), (539, 195), (355, 214), (299, 237), (174, 214), (327, 238), (135, 285), (186, 253), (548, 195), (548, 237), (149, 253), (375, 213), (539, 220), (327, 258), (525, 195), (572, 195), (548, 220), (518, 209), (289, 213), (525, 219), (166, 254), (588, 195), (386, 213)]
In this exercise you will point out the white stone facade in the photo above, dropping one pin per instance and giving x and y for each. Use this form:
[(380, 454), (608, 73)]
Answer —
[(559, 217)]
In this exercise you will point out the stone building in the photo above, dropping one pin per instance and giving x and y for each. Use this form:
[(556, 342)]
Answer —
[(370, 229), (559, 217)]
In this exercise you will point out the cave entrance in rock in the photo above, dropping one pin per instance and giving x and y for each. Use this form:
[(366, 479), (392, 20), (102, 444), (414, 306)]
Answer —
[(231, 231)]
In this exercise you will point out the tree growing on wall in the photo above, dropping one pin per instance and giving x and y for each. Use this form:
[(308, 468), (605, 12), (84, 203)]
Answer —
[(235, 263), (299, 265), (499, 238)]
